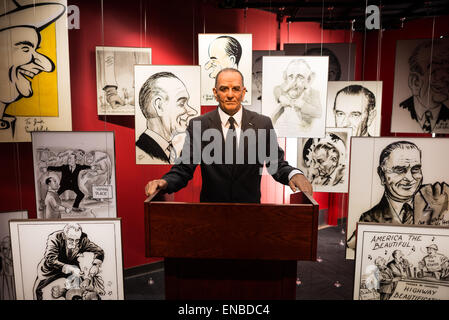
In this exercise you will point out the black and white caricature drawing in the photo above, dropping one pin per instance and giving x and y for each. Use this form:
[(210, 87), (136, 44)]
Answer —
[(325, 161), (115, 78), (341, 57), (76, 260), (401, 262), (356, 105), (168, 97), (34, 69), (74, 174), (7, 290), (421, 86), (402, 183), (294, 95), (256, 99), (219, 51)]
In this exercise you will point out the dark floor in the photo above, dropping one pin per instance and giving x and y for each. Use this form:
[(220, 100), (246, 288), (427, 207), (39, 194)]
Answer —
[(329, 278)]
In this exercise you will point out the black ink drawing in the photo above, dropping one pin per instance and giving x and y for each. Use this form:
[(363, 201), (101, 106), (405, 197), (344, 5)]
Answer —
[(341, 57), (294, 95), (167, 101), (115, 78), (21, 61), (325, 161), (7, 290), (74, 182), (403, 196), (401, 263), (67, 257), (421, 88), (76, 260), (356, 105), (219, 51)]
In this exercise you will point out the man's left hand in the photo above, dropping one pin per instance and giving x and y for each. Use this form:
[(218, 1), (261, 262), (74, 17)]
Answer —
[(300, 181)]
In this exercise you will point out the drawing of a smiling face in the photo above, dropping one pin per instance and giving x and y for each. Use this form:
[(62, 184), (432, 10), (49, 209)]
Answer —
[(402, 174), (20, 62)]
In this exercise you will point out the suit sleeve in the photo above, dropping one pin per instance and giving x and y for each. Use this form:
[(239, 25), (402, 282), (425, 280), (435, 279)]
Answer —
[(88, 246), (275, 163), (183, 169), (52, 168)]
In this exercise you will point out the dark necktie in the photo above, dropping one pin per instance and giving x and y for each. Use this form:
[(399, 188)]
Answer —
[(427, 124), (231, 137), (172, 153), (407, 214)]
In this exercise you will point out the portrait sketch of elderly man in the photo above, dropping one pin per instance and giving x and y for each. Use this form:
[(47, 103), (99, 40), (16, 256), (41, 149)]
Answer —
[(341, 57), (405, 199), (296, 103), (220, 51), (166, 105), (22, 60), (355, 105), (325, 161), (422, 106)]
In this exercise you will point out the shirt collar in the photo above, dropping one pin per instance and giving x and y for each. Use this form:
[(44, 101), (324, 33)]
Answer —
[(420, 110), (159, 140), (224, 117), (397, 206)]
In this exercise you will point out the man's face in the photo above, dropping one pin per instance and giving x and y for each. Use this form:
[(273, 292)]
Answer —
[(229, 92), (20, 62), (71, 160), (54, 184), (431, 251), (438, 90), (175, 111), (73, 238), (351, 112), (218, 58), (401, 174), (324, 161), (297, 79)]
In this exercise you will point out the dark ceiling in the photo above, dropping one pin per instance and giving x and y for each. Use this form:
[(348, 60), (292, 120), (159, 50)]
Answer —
[(344, 14)]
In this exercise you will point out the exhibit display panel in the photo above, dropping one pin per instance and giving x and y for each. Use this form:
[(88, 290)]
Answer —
[(329, 79)]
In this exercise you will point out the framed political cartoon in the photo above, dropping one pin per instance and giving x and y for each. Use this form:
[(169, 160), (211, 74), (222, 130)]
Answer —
[(74, 174), (256, 94), (219, 51), (37, 97), (67, 259), (7, 289), (356, 105), (341, 57), (421, 93), (397, 180), (115, 78), (168, 97), (294, 91), (401, 262), (325, 161)]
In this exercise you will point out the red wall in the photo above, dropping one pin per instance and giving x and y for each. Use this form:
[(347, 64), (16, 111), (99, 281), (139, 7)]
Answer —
[(171, 29)]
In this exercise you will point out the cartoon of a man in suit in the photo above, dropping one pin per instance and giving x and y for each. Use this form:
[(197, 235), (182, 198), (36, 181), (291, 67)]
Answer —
[(428, 81)]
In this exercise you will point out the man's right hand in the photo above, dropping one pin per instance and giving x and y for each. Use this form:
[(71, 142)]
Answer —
[(154, 186)]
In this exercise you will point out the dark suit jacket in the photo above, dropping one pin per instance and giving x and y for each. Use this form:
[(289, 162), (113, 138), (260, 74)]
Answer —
[(69, 180), (151, 147), (222, 182), (410, 106), (380, 213)]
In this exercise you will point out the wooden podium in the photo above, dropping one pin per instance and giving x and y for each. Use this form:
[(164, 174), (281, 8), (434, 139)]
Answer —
[(231, 251)]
